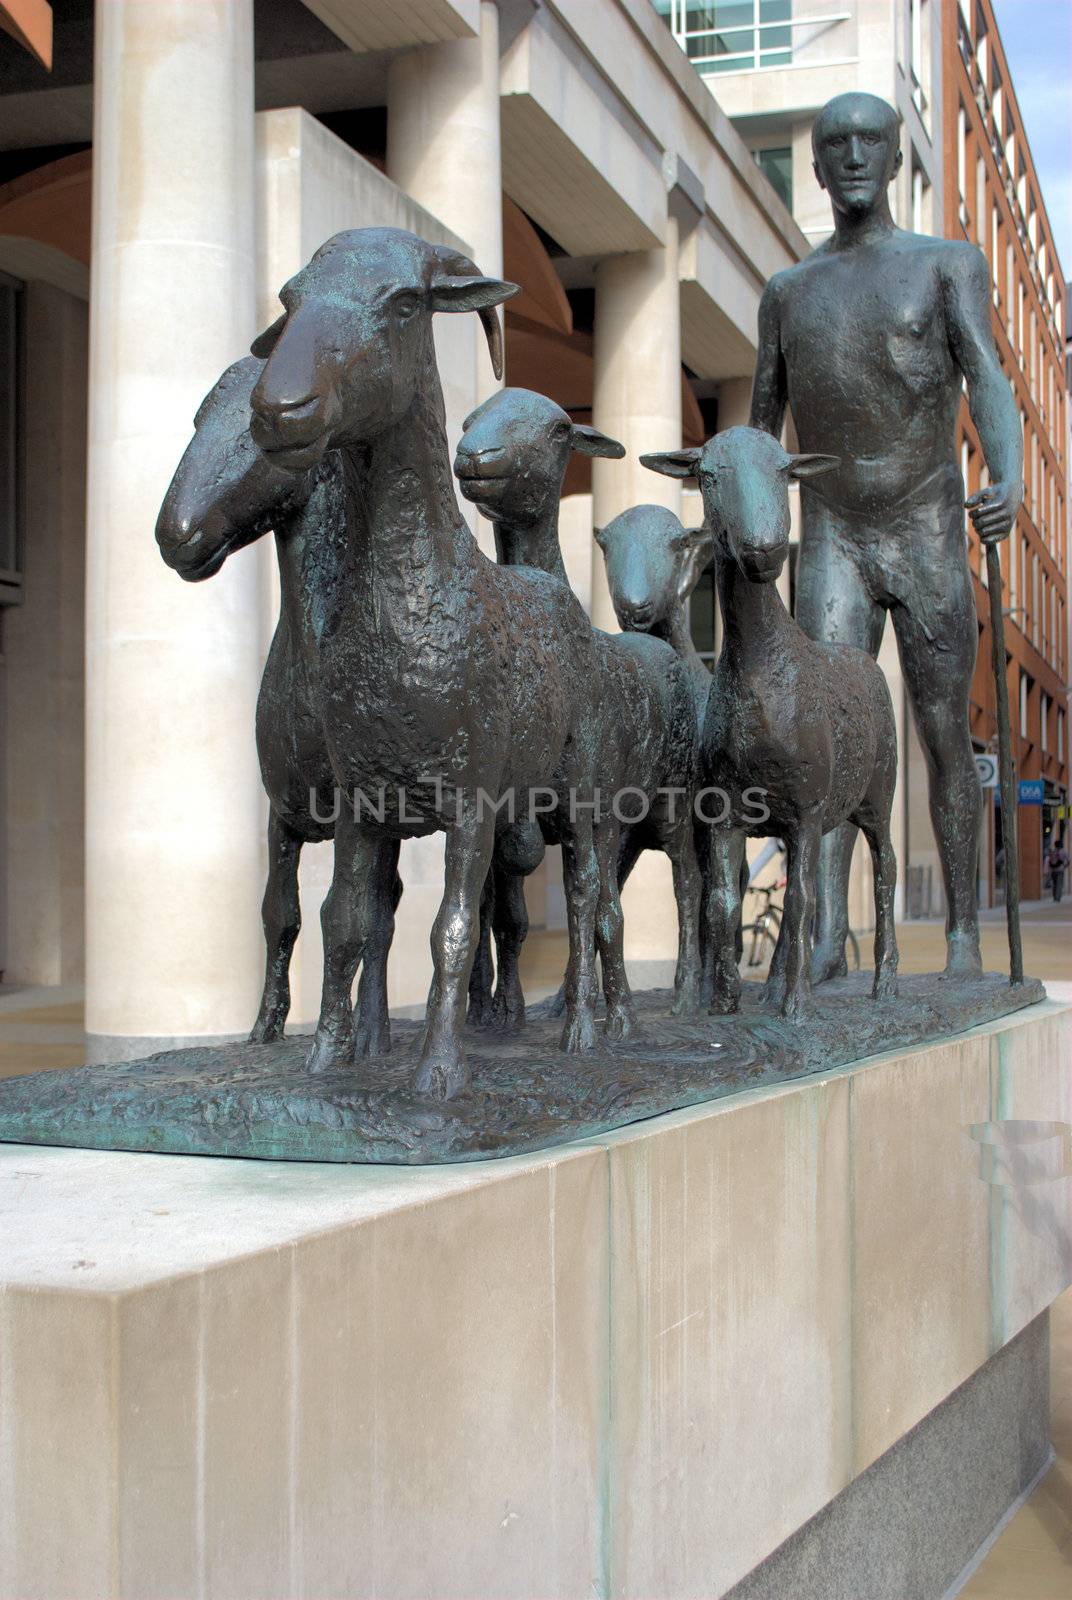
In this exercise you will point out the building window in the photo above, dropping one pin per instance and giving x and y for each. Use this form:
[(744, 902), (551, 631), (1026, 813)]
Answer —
[(1060, 735), (1025, 686), (1045, 729), (731, 35), (777, 167)]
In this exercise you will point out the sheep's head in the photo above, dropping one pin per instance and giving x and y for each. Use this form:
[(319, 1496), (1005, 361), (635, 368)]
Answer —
[(653, 564), (514, 451), (224, 493), (744, 478), (353, 348)]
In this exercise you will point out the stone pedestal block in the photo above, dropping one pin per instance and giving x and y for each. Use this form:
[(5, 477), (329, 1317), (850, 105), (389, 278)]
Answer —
[(641, 1364)]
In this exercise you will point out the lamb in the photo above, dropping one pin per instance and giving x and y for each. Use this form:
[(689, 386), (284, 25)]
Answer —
[(809, 725), (511, 462), (223, 496), (442, 677)]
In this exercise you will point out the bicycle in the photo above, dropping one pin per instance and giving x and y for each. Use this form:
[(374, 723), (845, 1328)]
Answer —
[(757, 935)]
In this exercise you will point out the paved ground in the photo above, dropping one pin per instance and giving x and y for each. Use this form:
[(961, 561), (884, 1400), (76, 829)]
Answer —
[(1032, 1557)]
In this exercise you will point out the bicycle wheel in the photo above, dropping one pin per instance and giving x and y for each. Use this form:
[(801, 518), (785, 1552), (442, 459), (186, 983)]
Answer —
[(761, 936)]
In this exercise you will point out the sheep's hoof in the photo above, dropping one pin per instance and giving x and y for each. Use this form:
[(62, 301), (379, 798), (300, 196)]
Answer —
[(620, 1021), (686, 1002), (827, 963), (329, 1054), (724, 1005), (579, 1034), (885, 984), (508, 1016), (371, 1038), (266, 1030), (441, 1075), (556, 1006), (481, 1013), (962, 956), (796, 1007)]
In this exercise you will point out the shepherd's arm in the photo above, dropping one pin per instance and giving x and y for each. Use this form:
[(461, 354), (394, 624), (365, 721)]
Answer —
[(966, 289)]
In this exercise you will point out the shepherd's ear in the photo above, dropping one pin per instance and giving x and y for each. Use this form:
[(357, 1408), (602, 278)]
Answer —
[(701, 549), (265, 342), (590, 442), (673, 463), (811, 466)]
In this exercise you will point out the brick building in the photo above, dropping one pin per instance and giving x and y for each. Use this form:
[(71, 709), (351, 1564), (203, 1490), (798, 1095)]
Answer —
[(992, 196)]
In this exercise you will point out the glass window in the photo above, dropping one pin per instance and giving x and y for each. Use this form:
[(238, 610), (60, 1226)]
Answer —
[(731, 35), (777, 168)]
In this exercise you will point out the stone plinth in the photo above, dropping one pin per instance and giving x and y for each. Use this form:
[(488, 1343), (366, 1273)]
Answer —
[(632, 1365)]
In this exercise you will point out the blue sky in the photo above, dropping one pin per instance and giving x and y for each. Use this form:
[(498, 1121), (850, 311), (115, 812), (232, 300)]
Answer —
[(1037, 35)]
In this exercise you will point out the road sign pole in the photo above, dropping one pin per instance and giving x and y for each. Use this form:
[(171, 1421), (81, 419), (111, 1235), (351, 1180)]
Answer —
[(1007, 783)]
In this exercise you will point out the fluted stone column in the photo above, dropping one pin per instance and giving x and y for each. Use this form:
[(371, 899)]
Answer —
[(173, 802), (637, 399), (636, 393)]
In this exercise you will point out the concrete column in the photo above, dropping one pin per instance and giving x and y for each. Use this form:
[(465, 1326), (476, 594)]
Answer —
[(636, 387), (443, 144), (637, 399), (174, 834)]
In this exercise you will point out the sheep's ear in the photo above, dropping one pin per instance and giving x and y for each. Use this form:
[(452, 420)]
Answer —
[(265, 342), (811, 466), (673, 463), (471, 294), (465, 293), (478, 412), (590, 442), (600, 537), (701, 549)]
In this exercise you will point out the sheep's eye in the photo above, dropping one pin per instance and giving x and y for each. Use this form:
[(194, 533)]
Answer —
[(405, 306), (561, 430), (679, 544)]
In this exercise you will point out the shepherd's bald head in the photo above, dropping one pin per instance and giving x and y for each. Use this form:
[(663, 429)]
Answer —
[(855, 140)]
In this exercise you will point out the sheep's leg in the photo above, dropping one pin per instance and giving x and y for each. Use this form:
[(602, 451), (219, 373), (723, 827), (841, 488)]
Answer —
[(344, 919), (803, 861), (687, 891), (281, 916), (774, 988), (482, 978), (372, 1025), (832, 921), (610, 929), (723, 916), (441, 1071), (511, 929), (884, 865), (580, 871)]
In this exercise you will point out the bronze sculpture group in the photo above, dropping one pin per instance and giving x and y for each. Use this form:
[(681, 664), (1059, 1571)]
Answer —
[(461, 694)]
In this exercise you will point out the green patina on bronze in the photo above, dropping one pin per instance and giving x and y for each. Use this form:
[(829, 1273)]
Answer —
[(259, 1100)]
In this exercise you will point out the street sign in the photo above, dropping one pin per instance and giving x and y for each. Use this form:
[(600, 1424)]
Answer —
[(987, 768), (1031, 791)]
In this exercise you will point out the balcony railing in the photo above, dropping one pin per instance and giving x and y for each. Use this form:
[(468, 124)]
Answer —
[(761, 46)]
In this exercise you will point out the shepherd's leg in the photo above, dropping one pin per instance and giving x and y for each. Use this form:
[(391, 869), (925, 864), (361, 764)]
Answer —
[(281, 917), (372, 1025), (723, 916), (937, 644), (442, 1071), (344, 919), (833, 605)]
